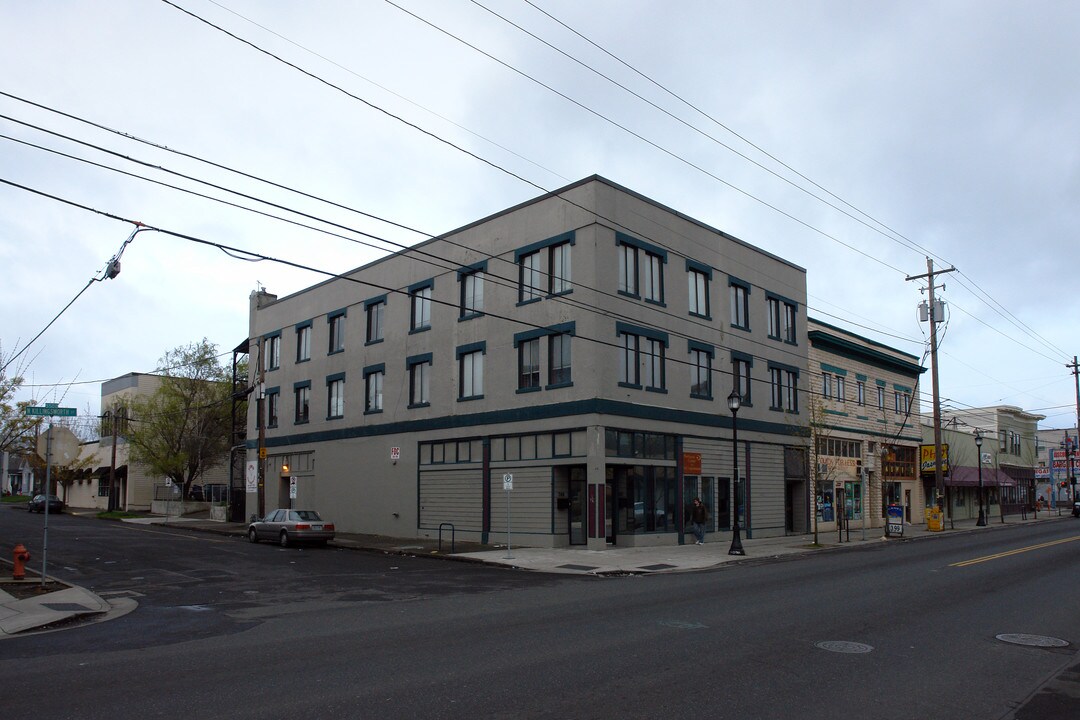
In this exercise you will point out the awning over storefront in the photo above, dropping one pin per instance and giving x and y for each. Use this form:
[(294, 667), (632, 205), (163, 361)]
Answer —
[(103, 471), (961, 476)]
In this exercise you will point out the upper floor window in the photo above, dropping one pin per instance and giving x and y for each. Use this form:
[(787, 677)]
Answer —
[(373, 388), (840, 388), (740, 369), (784, 383), (860, 393), (700, 372), (529, 364), (531, 285), (559, 264), (698, 286), (419, 380), (302, 398), (559, 359), (337, 331), (273, 397), (740, 303), (272, 352), (642, 358), (826, 385), (303, 342), (420, 301), (335, 397), (375, 311), (471, 371), (471, 302), (640, 258), (781, 318)]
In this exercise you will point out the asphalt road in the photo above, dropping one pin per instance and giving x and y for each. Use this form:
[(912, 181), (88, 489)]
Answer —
[(226, 629)]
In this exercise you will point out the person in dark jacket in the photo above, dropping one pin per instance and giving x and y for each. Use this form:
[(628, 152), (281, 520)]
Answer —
[(698, 517)]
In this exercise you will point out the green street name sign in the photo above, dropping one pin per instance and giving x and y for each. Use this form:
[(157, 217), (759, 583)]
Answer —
[(51, 411)]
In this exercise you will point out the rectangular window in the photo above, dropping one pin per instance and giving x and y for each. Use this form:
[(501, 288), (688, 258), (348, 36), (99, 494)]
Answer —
[(421, 308), (907, 404), (530, 280), (628, 270), (826, 385), (337, 332), (272, 401), (559, 264), (529, 364), (740, 305), (272, 352), (302, 398), (654, 278), (654, 375), (472, 294), (699, 293), (628, 361), (376, 315), (373, 389), (741, 370), (335, 398), (471, 371), (784, 385), (700, 374), (860, 393), (420, 383), (774, 319), (559, 360), (881, 398), (788, 327), (303, 343), (840, 388)]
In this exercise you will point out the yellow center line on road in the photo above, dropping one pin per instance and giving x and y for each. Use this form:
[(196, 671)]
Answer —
[(986, 558)]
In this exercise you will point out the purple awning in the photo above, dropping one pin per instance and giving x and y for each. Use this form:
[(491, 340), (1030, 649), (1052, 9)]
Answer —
[(962, 476)]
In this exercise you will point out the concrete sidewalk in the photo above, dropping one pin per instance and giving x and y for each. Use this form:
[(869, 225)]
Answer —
[(54, 609)]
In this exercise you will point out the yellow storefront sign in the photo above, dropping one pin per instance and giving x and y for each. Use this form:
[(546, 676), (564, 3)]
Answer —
[(926, 459)]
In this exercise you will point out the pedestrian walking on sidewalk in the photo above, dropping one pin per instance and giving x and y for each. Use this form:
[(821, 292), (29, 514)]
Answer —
[(698, 517)]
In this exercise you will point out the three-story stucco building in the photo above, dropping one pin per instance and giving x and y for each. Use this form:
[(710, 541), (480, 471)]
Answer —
[(571, 356)]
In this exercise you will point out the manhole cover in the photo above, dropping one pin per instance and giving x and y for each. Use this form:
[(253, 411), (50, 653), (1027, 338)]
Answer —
[(1031, 640), (843, 646)]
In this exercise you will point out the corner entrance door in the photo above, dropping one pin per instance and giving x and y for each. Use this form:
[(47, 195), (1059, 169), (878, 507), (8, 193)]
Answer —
[(577, 521)]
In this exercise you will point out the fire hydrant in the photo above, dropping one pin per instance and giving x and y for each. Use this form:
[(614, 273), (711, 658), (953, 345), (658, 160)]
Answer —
[(20, 556)]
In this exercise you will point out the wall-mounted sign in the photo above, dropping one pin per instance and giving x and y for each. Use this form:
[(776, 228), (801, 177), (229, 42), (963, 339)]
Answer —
[(926, 459)]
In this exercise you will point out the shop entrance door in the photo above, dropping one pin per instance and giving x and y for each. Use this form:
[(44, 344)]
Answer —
[(577, 520)]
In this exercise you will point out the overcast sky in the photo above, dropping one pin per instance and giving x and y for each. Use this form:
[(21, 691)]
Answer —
[(947, 129)]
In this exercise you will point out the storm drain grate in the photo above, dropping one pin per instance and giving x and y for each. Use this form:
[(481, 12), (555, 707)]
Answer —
[(66, 607), (579, 567), (658, 566), (843, 646), (1031, 640)]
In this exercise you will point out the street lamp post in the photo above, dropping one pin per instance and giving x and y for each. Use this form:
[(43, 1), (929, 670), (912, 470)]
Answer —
[(981, 522), (734, 400)]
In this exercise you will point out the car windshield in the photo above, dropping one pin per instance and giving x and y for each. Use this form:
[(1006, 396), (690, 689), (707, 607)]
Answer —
[(304, 515)]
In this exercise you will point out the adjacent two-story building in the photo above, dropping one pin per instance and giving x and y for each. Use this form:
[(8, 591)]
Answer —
[(863, 416), (560, 369)]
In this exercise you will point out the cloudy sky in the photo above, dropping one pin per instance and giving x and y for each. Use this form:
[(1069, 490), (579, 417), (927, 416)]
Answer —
[(853, 138)]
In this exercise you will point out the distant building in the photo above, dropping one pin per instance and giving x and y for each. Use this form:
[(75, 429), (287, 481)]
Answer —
[(864, 421), (16, 474), (571, 356)]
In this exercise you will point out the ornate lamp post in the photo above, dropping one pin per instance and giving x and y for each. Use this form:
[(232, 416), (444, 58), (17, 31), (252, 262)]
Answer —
[(978, 451), (734, 400)]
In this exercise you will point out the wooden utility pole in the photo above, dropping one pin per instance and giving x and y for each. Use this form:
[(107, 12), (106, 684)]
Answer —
[(1068, 460), (939, 479)]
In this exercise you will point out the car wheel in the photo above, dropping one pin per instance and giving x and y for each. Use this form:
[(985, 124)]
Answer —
[(252, 535), (283, 539)]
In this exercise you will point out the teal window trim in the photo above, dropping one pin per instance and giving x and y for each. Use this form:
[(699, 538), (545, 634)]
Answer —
[(374, 301), (622, 328), (336, 313), (471, 348), (702, 268), (370, 369), (566, 237), (776, 296), (481, 266), (624, 239), (703, 347), (335, 377), (302, 325), (569, 328), (834, 370), (423, 284), (417, 359), (745, 357)]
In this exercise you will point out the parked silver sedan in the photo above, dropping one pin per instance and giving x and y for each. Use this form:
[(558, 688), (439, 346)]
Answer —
[(287, 526)]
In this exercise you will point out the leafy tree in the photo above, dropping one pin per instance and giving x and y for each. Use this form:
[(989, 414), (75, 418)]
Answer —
[(182, 430), (16, 429)]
